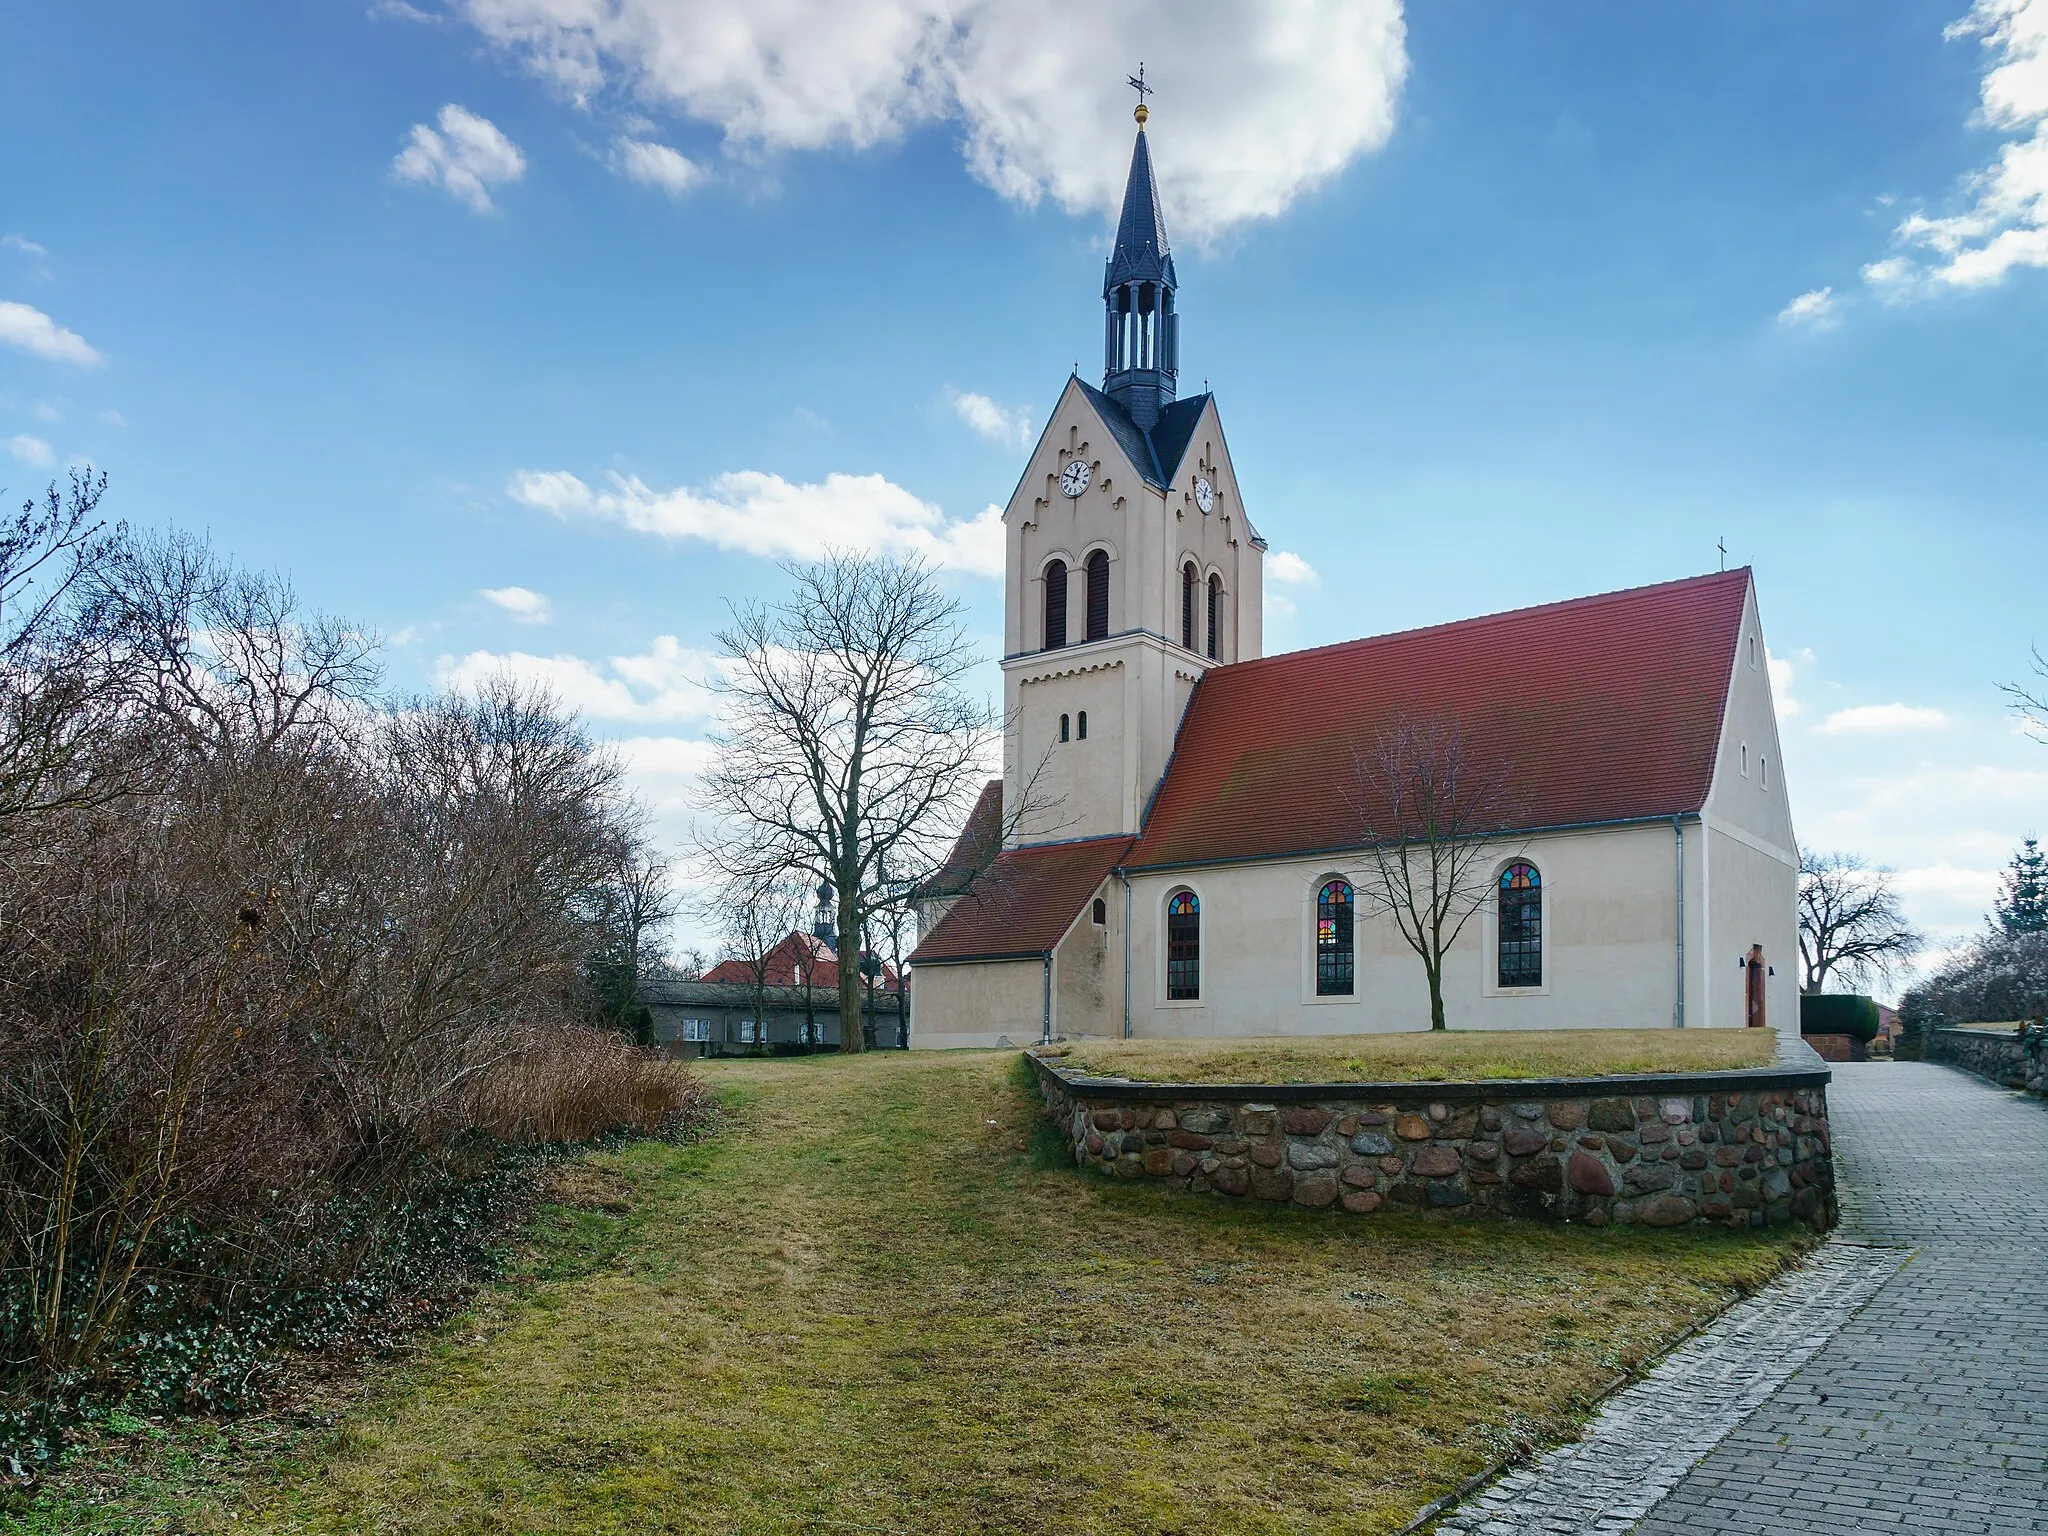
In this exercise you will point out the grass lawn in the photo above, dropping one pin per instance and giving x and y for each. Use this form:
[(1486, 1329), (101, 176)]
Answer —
[(873, 1305), (1430, 1057)]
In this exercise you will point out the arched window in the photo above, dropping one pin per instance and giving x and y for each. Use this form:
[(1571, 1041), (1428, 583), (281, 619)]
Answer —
[(1188, 582), (1521, 926), (1056, 605), (1183, 947), (1334, 954), (1066, 727), (1215, 615), (1100, 912), (1081, 725), (1098, 595)]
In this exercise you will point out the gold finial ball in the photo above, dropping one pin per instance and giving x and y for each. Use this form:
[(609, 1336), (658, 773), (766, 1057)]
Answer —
[(1141, 114)]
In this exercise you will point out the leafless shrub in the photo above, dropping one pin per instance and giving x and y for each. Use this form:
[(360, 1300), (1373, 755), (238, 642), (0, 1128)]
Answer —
[(273, 956)]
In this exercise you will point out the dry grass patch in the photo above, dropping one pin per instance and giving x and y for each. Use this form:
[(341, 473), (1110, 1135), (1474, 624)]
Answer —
[(876, 1303), (1446, 1056)]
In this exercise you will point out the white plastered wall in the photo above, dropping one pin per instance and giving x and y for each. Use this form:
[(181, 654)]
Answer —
[(1610, 947), (998, 1003), (1751, 855)]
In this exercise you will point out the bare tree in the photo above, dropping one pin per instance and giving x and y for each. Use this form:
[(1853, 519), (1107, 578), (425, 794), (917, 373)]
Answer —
[(851, 746), (1428, 815), (1849, 921), (754, 916), (2030, 700), (59, 693)]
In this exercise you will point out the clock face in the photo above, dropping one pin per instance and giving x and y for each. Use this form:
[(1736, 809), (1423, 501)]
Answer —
[(1075, 477), (1205, 495)]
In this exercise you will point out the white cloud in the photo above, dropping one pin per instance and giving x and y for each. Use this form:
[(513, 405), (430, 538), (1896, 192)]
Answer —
[(45, 411), (2005, 225), (465, 159), (27, 329), (1883, 720), (32, 451), (1783, 672), (1283, 565), (656, 165), (113, 418), (668, 682), (1311, 84), (23, 244), (525, 605), (1010, 428), (1814, 309), (762, 514)]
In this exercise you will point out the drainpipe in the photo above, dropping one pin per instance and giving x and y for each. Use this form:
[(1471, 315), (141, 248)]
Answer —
[(1678, 840), (1045, 1032), (1125, 877)]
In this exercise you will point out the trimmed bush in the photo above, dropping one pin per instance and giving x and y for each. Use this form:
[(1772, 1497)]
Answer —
[(1839, 1013)]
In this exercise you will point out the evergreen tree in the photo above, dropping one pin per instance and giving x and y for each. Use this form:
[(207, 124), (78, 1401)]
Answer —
[(2022, 905)]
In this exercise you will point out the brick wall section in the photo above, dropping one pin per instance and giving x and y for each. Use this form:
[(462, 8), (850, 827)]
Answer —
[(1733, 1149), (2004, 1058)]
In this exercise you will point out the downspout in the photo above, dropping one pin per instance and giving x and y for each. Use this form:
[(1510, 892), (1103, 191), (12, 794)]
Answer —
[(1124, 876), (1045, 1031), (1678, 1010)]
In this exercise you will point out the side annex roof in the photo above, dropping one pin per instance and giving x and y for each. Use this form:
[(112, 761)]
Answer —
[(1021, 905)]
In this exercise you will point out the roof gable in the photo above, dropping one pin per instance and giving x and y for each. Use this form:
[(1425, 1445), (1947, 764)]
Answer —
[(1600, 709), (1022, 904)]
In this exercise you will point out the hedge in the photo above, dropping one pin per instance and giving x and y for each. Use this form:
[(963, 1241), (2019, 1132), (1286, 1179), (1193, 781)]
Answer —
[(1839, 1013)]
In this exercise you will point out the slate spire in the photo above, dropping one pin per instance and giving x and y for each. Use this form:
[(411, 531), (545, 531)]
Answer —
[(1141, 329)]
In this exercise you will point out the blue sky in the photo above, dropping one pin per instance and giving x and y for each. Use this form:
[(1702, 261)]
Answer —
[(1502, 304)]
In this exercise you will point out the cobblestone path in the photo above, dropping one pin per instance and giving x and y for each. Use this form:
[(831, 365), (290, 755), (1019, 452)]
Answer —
[(1899, 1383)]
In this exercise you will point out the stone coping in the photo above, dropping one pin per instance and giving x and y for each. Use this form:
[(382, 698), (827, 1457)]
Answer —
[(1797, 1065)]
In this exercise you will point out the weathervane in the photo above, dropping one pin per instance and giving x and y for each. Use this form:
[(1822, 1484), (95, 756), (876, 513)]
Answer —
[(1137, 83)]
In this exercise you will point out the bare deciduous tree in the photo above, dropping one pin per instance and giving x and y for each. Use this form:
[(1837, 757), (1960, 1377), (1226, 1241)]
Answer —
[(753, 917), (851, 746), (1428, 816), (1849, 921), (2030, 700)]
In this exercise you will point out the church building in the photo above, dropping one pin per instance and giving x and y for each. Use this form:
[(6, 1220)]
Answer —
[(1179, 844)]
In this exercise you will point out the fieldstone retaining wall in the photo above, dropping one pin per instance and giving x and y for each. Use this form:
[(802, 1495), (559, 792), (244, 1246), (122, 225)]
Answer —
[(1740, 1148), (2016, 1059)]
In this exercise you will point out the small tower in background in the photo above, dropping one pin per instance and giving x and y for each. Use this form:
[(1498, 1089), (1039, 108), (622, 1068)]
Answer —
[(1141, 331), (823, 925)]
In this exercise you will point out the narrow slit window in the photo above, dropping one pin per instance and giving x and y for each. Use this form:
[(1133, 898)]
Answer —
[(1183, 947), (1521, 926), (1336, 960), (1081, 725), (1098, 596), (1056, 605), (1215, 615), (1066, 727), (1188, 582), (1763, 769)]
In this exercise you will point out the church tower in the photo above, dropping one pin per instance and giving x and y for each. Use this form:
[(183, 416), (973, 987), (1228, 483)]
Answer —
[(1130, 565), (1141, 332)]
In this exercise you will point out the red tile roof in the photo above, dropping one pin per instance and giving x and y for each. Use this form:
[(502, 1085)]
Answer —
[(978, 844), (819, 961), (1601, 709), (1022, 903)]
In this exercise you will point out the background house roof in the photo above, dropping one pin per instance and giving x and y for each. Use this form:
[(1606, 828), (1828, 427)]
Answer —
[(817, 961), (1600, 709), (1022, 903)]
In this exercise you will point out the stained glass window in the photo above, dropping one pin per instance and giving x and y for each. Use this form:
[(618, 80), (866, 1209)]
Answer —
[(1056, 605), (1334, 953), (1521, 926), (1183, 947), (1098, 596)]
